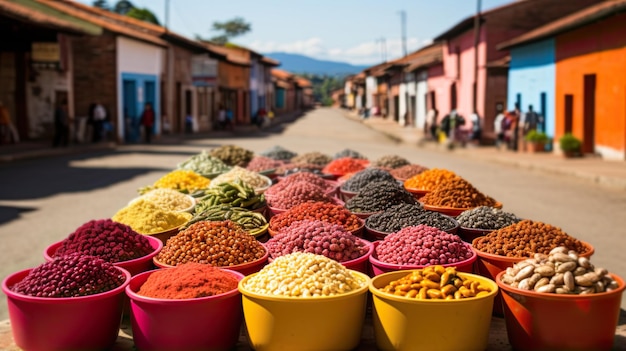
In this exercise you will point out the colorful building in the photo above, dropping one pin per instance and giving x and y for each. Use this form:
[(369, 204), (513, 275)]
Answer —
[(475, 71), (590, 80)]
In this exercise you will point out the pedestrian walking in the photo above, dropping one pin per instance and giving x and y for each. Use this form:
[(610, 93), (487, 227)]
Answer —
[(499, 126), (531, 120), (99, 118), (147, 121), (61, 125), (513, 130), (8, 132), (476, 128)]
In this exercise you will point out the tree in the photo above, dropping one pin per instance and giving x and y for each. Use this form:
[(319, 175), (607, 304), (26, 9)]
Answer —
[(103, 4), (143, 14), (123, 7), (230, 29)]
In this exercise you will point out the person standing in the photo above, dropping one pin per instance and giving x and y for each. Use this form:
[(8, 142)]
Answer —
[(99, 117), (8, 132), (498, 126), (531, 120), (476, 128), (221, 117), (61, 125), (147, 121)]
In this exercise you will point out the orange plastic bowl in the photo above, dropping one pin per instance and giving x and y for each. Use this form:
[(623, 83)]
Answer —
[(541, 321), (244, 268)]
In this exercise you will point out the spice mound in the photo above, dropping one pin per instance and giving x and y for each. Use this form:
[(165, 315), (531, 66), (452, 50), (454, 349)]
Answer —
[(562, 271), (349, 153), (188, 281), (345, 165), (308, 177), (362, 178), (485, 217), (526, 238), (262, 163), (457, 193), (236, 194), (379, 196), (147, 218), (330, 240), (72, 275), (391, 161), (316, 158), (321, 211), (407, 171), (422, 245), (303, 275), (405, 215), (169, 199), (279, 153), (429, 179), (182, 180), (111, 241), (204, 164), (250, 178), (232, 155), (296, 193), (219, 244), (436, 283)]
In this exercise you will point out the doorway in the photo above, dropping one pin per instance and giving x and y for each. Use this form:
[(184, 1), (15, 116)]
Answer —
[(589, 113), (129, 106), (569, 113)]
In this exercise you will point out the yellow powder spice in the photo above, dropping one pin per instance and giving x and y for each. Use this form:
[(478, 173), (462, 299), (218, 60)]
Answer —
[(147, 218)]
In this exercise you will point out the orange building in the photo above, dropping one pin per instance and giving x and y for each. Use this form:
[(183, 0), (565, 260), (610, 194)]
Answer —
[(590, 55)]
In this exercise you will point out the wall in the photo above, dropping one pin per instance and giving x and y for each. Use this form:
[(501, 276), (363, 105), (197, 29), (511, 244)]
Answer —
[(438, 84), (600, 49), (143, 63), (41, 97), (532, 71), (370, 90), (421, 89)]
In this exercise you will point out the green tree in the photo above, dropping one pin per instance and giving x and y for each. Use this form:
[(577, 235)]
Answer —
[(123, 7), (103, 4), (143, 14), (230, 29)]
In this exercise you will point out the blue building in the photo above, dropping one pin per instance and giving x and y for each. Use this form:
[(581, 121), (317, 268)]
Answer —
[(532, 81)]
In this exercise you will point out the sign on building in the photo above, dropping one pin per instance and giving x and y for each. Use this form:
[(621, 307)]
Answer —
[(204, 71)]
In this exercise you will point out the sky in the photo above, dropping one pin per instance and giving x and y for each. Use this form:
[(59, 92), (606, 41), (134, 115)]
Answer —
[(353, 31)]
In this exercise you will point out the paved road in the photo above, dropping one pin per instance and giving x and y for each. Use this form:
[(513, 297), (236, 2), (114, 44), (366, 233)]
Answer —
[(42, 201)]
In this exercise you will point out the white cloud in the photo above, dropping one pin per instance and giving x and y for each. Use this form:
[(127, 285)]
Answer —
[(362, 53)]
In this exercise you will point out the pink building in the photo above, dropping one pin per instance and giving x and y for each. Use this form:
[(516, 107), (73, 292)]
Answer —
[(455, 87)]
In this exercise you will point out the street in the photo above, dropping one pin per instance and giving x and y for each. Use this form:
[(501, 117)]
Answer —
[(43, 200)]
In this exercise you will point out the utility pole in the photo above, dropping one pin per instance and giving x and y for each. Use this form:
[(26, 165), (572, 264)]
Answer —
[(403, 22), (476, 41), (167, 14), (383, 48)]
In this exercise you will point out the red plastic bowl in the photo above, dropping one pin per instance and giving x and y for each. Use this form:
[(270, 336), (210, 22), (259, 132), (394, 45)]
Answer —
[(541, 321), (205, 323), (135, 266), (380, 267), (244, 268), (74, 323)]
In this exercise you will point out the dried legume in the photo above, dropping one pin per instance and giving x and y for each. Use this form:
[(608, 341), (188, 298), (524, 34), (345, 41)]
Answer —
[(248, 220), (379, 196), (204, 164), (235, 194), (316, 158), (219, 244), (326, 212), (422, 245), (391, 161), (321, 238), (525, 238), (307, 177), (561, 271), (188, 281), (169, 199), (182, 180), (111, 241), (71, 275), (303, 275), (429, 179), (251, 178), (407, 171), (349, 153), (362, 178), (296, 193), (457, 193), (233, 155), (405, 215), (436, 283), (146, 218), (262, 163), (278, 152), (485, 217)]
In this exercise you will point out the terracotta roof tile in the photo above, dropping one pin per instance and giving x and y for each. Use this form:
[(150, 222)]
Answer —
[(575, 20), (27, 14), (281, 74)]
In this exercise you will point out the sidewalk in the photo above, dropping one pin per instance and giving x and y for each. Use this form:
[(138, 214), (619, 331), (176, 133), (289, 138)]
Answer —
[(593, 169)]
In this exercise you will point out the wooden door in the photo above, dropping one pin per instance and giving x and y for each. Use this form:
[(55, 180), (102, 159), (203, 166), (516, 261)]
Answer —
[(589, 110)]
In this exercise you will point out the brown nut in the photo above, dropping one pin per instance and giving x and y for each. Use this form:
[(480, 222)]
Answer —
[(566, 267), (545, 271)]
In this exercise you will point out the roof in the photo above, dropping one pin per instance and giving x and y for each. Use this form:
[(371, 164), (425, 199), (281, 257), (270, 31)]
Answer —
[(44, 18), (233, 55), (270, 61), (428, 56), (281, 74), (110, 21), (567, 23), (303, 82), (468, 23)]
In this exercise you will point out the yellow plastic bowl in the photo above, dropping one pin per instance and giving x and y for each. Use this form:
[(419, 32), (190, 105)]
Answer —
[(402, 323), (314, 323)]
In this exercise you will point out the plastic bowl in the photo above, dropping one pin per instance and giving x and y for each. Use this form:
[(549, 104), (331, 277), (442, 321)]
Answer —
[(469, 234), (402, 323), (75, 323), (205, 323), (380, 267), (244, 268), (268, 182), (373, 234), (364, 215), (274, 211), (315, 323), (135, 266), (417, 193), (541, 321), (453, 211), (490, 265), (346, 195)]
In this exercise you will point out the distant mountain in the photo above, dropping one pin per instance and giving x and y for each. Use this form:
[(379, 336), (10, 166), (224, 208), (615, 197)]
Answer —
[(303, 64)]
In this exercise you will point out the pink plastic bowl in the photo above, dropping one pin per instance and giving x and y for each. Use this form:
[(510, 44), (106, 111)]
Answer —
[(205, 323), (75, 323), (379, 267), (244, 268), (136, 266)]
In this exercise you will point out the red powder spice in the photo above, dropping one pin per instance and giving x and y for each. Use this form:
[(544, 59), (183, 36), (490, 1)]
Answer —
[(188, 281), (345, 165)]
